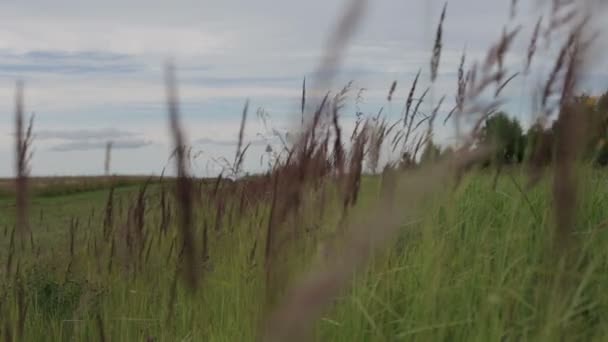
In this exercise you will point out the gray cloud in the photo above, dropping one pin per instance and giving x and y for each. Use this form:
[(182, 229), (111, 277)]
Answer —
[(91, 139), (234, 81), (97, 145), (67, 68), (219, 142), (222, 46), (63, 62), (291, 80), (99, 56), (83, 134)]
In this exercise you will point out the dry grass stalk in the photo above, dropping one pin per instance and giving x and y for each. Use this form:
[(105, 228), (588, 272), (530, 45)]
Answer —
[(504, 84), (338, 150), (391, 91), (11, 252), (513, 9), (432, 117), (419, 138), (100, 328), (149, 249), (270, 231), (376, 139), (170, 253), (310, 136), (533, 45), (388, 185), (564, 182), (409, 130), (305, 164), (570, 136), (23, 155), (172, 296), (32, 247), (461, 90), (218, 183), (303, 100), (22, 306), (293, 319), (139, 219), (112, 252), (108, 220), (353, 181), (183, 185), (564, 73), (563, 12), (219, 214), (73, 227), (238, 157), (8, 331), (410, 99), (205, 249), (504, 45), (553, 77), (471, 79), (338, 41), (437, 45), (165, 212), (108, 158)]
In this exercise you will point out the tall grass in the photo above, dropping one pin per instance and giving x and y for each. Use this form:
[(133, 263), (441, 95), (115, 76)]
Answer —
[(314, 248)]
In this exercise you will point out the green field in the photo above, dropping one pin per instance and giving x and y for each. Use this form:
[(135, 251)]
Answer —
[(421, 211), (469, 263)]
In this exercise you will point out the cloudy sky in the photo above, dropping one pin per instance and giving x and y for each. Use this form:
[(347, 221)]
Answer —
[(93, 71)]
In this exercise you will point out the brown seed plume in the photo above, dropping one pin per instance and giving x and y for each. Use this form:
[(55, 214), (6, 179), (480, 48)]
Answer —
[(238, 157), (392, 91), (183, 184), (23, 141), (438, 44)]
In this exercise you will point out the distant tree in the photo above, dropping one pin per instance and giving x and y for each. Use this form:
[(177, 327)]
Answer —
[(521, 144), (506, 135), (602, 102), (539, 145), (601, 157), (596, 110), (593, 113)]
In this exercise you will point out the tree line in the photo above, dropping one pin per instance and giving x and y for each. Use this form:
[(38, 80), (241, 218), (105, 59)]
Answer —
[(514, 145)]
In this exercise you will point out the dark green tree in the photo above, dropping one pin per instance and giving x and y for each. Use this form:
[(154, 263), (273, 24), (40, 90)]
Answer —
[(539, 145), (592, 112), (596, 110), (506, 135)]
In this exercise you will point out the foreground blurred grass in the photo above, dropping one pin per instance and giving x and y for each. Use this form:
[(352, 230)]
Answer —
[(474, 265)]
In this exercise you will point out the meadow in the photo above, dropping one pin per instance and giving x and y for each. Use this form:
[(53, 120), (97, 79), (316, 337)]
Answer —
[(474, 264), (499, 237)]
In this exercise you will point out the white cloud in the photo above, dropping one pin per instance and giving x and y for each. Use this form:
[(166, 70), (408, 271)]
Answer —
[(82, 134), (100, 64), (86, 145)]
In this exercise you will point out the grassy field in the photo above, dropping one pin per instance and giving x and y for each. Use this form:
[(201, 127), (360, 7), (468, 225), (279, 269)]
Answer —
[(470, 263), (61, 186), (436, 247)]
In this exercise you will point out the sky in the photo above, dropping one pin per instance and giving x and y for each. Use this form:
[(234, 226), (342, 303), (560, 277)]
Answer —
[(93, 71)]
